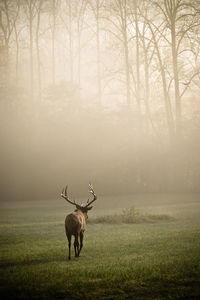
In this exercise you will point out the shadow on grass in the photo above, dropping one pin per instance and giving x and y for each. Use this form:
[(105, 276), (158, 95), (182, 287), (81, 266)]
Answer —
[(155, 289), (31, 262)]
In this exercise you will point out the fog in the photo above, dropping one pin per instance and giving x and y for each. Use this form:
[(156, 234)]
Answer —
[(96, 91)]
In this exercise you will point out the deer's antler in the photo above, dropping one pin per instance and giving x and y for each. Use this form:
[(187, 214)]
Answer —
[(65, 196), (91, 190)]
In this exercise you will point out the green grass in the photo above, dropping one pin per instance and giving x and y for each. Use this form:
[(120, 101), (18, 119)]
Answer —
[(158, 260)]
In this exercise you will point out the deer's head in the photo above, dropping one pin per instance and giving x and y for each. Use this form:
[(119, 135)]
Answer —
[(83, 208)]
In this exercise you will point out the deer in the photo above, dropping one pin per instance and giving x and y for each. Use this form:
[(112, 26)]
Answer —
[(75, 222)]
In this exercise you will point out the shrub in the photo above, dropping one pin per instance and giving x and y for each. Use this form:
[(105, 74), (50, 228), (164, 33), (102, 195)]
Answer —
[(130, 216)]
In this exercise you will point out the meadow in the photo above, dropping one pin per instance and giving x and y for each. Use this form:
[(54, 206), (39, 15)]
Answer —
[(152, 258)]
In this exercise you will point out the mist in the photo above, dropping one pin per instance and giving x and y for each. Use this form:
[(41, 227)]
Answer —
[(106, 92)]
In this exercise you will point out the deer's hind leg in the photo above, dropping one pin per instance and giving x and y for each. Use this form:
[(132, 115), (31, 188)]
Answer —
[(76, 246), (69, 245), (81, 240)]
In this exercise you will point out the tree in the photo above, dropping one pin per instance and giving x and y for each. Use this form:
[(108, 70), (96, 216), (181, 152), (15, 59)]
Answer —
[(179, 18), (116, 25), (96, 7), (30, 9), (9, 11), (39, 6)]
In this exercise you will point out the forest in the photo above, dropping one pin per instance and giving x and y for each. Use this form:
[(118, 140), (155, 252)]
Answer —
[(106, 91), (99, 96)]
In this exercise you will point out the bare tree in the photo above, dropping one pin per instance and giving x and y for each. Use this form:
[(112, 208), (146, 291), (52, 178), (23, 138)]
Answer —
[(39, 9), (166, 97), (53, 12), (180, 17), (133, 17), (96, 7), (18, 28), (81, 9), (9, 11), (73, 20), (116, 26), (30, 9)]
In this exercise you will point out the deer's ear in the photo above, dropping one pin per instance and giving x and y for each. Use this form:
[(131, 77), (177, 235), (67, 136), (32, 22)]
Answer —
[(88, 208)]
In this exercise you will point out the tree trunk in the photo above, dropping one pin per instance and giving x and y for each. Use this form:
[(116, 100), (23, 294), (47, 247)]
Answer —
[(126, 53), (176, 79), (146, 95), (79, 59), (31, 50), (38, 54), (53, 43), (71, 56), (168, 109), (137, 60), (17, 56), (98, 56)]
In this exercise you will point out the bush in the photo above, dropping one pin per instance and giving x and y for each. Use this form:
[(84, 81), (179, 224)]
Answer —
[(130, 216)]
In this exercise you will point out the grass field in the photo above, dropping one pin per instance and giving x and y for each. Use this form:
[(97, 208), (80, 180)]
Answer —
[(156, 260)]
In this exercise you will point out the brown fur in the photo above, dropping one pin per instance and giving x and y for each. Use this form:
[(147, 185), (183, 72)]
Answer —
[(75, 224)]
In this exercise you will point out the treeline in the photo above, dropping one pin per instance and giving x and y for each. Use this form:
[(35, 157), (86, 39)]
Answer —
[(108, 90)]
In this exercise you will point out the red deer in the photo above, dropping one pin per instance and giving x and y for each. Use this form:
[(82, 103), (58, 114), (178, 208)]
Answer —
[(75, 223)]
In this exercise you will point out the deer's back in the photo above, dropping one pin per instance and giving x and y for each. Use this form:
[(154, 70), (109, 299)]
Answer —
[(74, 223)]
